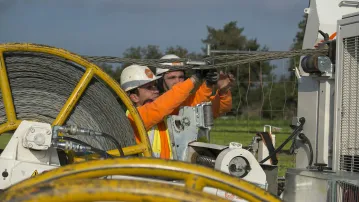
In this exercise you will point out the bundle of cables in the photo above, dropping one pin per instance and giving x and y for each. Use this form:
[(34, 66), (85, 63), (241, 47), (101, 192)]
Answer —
[(69, 143)]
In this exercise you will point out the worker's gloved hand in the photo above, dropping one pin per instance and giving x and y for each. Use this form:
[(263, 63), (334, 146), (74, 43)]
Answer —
[(211, 76), (199, 74)]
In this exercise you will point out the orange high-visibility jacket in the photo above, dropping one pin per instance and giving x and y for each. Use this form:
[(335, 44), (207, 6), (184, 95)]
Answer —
[(153, 115), (220, 103)]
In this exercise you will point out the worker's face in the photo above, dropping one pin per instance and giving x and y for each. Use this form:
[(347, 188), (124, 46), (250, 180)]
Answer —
[(172, 78), (146, 93)]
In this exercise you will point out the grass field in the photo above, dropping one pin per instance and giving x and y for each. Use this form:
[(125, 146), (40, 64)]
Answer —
[(4, 139), (242, 131), (227, 130)]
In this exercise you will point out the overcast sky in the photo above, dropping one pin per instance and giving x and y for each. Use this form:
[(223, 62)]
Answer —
[(108, 27)]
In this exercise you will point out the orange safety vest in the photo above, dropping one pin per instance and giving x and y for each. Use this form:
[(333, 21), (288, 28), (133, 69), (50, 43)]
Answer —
[(160, 140)]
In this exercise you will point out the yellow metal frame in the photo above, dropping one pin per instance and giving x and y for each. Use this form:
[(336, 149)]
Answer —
[(195, 177), (91, 70), (109, 190)]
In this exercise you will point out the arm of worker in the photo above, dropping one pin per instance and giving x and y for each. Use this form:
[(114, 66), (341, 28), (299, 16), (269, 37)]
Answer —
[(204, 92), (154, 112), (222, 100), (221, 103)]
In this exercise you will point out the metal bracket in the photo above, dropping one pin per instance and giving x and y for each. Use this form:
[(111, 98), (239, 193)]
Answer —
[(297, 74), (277, 129), (349, 4), (190, 125)]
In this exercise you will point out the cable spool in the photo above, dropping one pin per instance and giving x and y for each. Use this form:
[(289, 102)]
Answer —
[(309, 64), (316, 64), (41, 84)]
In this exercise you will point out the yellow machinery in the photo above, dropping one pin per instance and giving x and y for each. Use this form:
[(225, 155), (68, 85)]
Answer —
[(76, 183), (91, 71), (87, 181)]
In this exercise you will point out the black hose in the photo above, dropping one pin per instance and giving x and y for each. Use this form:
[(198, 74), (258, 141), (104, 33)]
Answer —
[(114, 141), (307, 141), (73, 130), (98, 151), (293, 135), (325, 35)]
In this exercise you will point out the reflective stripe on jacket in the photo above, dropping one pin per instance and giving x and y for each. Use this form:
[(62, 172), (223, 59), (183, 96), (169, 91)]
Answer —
[(160, 140)]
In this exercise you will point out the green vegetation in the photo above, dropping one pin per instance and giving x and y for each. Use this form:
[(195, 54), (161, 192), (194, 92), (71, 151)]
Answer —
[(243, 130), (227, 130), (4, 139), (284, 162)]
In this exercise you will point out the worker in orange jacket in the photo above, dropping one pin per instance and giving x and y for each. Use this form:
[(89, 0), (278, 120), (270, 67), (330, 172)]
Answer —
[(221, 100), (140, 84)]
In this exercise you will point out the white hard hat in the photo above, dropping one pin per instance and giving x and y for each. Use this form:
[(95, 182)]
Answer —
[(134, 76), (160, 71)]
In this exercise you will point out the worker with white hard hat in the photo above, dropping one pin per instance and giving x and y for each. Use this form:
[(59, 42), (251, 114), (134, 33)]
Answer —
[(221, 101), (140, 84), (172, 77)]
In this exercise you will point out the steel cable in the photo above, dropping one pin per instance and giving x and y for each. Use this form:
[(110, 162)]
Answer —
[(243, 58), (266, 57), (41, 84)]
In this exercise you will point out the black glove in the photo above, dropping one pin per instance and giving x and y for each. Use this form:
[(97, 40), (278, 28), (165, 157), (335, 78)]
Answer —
[(200, 74), (211, 77), (206, 74)]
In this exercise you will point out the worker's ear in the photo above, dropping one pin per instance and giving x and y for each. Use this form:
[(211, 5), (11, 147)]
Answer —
[(134, 98)]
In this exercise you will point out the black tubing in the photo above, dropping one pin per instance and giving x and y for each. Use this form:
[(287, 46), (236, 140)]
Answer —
[(293, 135), (307, 141), (98, 151), (114, 141)]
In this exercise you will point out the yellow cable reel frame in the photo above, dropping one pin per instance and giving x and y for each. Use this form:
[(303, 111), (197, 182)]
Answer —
[(91, 70), (81, 182), (75, 182)]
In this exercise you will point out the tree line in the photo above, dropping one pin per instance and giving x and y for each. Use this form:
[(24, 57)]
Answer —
[(259, 93)]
